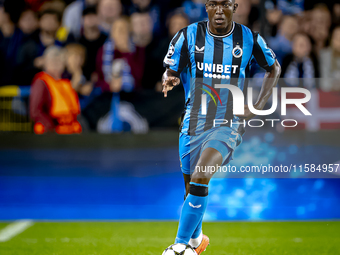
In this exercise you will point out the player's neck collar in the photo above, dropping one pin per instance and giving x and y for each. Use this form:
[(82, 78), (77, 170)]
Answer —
[(221, 36)]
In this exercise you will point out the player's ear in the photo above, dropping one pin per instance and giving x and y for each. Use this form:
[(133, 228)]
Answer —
[(235, 7)]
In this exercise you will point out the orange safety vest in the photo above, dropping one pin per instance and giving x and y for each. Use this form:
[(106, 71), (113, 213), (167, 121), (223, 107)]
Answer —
[(64, 107)]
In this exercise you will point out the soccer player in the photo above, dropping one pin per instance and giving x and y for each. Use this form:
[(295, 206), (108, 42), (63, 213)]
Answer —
[(218, 51)]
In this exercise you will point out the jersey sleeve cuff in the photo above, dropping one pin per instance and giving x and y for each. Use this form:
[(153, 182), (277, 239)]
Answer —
[(268, 67)]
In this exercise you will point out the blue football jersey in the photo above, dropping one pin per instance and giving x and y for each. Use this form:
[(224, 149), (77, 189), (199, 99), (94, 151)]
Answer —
[(199, 55)]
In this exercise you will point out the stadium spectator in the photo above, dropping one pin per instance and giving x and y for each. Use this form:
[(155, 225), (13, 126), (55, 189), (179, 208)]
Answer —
[(143, 38), (141, 28), (288, 7), (330, 64), (336, 14), (300, 68), (109, 11), (305, 23), (115, 64), (195, 10), (273, 18), (28, 22), (54, 104), (321, 21), (281, 44), (75, 59), (30, 54), (73, 16), (92, 39), (147, 101), (176, 22), (11, 39), (63, 35), (254, 15), (242, 14), (118, 46), (143, 6)]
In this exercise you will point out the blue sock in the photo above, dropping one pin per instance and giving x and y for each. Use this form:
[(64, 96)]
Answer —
[(192, 212), (197, 231)]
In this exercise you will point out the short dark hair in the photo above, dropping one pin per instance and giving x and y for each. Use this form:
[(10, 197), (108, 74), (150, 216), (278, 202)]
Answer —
[(51, 12), (90, 10), (14, 9), (209, 0)]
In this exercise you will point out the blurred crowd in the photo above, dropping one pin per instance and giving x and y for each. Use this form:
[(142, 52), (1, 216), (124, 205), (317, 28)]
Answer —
[(111, 53)]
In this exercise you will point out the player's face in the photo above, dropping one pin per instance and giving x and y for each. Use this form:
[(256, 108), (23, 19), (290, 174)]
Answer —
[(220, 13)]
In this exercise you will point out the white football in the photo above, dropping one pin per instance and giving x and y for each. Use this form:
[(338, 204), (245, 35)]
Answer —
[(179, 249)]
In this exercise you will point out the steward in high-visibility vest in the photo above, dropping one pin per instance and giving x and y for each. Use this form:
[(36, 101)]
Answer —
[(54, 105)]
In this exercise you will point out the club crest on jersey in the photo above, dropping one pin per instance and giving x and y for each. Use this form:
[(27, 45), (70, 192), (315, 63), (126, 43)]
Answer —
[(237, 51), (199, 50), (171, 51)]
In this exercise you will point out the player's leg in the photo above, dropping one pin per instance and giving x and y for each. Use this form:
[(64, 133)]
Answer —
[(215, 152), (199, 241), (187, 179), (197, 236), (209, 157), (196, 202), (184, 149)]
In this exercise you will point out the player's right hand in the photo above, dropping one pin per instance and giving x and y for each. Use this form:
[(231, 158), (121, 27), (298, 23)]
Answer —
[(169, 82), (247, 114)]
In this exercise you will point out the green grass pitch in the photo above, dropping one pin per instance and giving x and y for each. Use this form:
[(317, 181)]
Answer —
[(151, 238)]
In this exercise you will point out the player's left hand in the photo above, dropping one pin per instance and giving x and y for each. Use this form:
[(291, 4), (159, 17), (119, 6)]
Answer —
[(247, 114)]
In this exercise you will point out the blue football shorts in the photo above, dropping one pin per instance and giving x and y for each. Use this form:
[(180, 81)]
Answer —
[(223, 139)]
